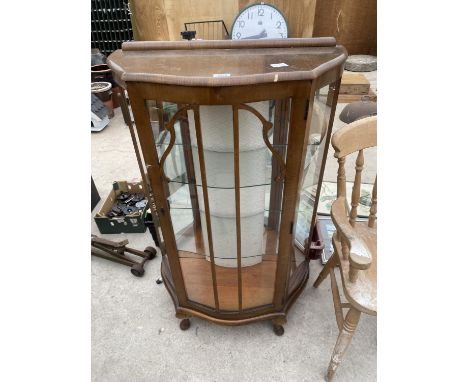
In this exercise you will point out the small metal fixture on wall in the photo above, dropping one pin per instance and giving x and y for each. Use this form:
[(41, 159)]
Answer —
[(188, 35), (207, 30)]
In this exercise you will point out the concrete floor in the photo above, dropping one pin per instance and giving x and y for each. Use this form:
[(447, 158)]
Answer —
[(136, 337)]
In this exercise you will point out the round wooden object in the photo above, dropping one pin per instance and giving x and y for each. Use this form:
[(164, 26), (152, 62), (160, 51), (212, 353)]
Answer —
[(151, 252), (361, 63), (358, 110), (137, 270)]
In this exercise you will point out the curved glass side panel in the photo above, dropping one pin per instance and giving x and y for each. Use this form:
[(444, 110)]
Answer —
[(316, 149)]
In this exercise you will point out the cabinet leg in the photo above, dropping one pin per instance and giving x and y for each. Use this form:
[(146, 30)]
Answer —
[(278, 329), (184, 324), (278, 323)]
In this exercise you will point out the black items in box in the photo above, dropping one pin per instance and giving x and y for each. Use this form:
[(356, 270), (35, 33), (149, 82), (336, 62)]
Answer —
[(123, 209)]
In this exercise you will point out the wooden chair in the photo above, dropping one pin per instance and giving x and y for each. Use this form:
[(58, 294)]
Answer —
[(354, 242)]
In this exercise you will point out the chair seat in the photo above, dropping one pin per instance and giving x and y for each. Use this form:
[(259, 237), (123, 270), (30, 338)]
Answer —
[(362, 293)]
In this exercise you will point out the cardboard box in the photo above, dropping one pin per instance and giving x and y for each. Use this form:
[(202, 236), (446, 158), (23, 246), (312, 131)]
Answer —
[(123, 224), (352, 83), (348, 98)]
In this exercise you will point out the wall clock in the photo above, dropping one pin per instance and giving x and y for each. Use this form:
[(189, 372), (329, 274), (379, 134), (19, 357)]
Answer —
[(259, 21)]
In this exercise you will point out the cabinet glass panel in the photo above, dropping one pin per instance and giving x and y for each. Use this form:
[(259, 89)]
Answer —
[(224, 177), (316, 148)]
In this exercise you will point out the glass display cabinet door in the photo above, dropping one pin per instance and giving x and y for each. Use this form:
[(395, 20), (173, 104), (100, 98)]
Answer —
[(233, 166), (224, 181)]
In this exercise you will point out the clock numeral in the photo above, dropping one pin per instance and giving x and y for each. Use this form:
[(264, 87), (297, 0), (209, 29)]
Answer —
[(261, 11), (278, 24), (238, 35), (281, 35), (250, 15), (241, 24)]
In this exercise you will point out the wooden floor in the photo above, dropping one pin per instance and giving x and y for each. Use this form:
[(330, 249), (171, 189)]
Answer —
[(258, 282)]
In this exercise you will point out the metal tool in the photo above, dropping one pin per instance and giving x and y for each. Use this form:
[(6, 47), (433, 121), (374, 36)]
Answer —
[(115, 251), (126, 204), (123, 196)]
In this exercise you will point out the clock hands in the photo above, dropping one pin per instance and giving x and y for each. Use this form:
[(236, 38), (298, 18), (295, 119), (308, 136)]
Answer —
[(262, 34)]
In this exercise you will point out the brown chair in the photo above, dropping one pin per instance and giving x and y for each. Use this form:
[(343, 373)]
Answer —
[(354, 242)]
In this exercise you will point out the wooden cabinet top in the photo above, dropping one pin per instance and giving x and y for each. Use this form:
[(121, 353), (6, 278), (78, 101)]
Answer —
[(225, 62)]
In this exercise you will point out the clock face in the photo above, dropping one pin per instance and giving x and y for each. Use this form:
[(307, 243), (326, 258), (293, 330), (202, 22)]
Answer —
[(259, 21)]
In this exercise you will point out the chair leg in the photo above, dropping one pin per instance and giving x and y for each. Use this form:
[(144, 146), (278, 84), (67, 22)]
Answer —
[(326, 270), (343, 341)]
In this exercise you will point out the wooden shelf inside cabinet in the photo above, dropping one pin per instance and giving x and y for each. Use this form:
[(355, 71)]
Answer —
[(258, 282)]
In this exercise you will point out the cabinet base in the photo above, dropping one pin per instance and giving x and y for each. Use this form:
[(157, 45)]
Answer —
[(187, 309)]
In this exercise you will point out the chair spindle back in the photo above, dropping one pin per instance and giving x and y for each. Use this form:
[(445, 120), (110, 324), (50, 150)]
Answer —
[(352, 138)]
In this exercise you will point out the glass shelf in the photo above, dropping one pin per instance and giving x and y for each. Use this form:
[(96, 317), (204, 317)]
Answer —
[(259, 184), (162, 146), (181, 199), (216, 164)]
